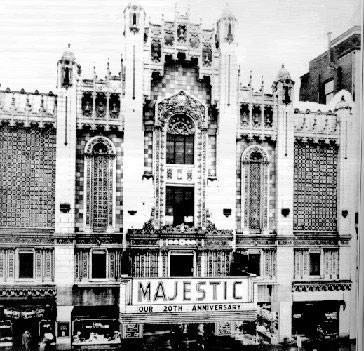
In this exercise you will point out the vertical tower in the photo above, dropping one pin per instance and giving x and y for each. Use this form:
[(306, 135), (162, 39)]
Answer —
[(283, 92), (67, 86), (228, 110), (347, 201), (133, 158)]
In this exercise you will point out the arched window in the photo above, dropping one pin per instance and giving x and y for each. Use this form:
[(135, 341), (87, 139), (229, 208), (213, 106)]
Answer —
[(180, 140), (255, 189), (99, 185)]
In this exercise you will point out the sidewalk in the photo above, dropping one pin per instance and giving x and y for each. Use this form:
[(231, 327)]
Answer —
[(330, 345)]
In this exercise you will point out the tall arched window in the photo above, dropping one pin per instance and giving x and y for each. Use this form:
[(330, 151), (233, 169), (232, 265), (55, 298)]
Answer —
[(255, 190), (180, 140), (99, 185)]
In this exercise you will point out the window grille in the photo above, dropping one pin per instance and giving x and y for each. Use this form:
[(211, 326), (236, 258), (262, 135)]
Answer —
[(315, 184), (100, 184)]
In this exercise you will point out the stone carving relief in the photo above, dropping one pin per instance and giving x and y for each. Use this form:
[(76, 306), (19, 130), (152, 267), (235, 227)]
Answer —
[(194, 39), (180, 124), (114, 106), (100, 105), (207, 54), (156, 50), (86, 104), (182, 34), (169, 36), (181, 103)]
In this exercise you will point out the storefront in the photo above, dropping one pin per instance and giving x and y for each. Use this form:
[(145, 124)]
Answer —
[(316, 319), (17, 317), (95, 327), (185, 311)]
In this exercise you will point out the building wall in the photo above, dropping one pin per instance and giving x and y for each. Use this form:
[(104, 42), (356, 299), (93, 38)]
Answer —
[(181, 76), (27, 157), (340, 68)]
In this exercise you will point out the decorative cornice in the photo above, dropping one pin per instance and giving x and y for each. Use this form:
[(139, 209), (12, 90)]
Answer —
[(28, 291), (299, 240), (20, 239), (98, 239), (323, 285)]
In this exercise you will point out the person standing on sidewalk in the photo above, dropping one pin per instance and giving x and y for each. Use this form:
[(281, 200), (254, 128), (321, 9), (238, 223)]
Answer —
[(25, 340)]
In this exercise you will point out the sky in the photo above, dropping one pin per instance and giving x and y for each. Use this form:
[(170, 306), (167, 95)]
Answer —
[(34, 34)]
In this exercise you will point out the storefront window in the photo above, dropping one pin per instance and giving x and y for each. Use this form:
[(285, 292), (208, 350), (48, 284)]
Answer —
[(6, 334), (316, 320), (26, 265), (99, 265), (96, 331)]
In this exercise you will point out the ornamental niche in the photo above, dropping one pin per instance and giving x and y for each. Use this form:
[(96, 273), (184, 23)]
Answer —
[(181, 114)]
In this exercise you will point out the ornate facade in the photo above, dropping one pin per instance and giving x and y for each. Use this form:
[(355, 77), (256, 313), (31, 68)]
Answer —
[(174, 172)]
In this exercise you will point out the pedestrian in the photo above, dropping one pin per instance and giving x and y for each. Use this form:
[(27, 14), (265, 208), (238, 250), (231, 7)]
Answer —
[(25, 340)]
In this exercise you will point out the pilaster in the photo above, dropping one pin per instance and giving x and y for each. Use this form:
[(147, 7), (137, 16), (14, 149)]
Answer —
[(133, 157), (224, 207)]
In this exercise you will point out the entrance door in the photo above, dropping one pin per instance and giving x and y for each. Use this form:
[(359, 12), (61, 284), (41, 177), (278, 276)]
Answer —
[(181, 265)]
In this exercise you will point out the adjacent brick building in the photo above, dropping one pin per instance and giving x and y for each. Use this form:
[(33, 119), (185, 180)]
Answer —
[(336, 69)]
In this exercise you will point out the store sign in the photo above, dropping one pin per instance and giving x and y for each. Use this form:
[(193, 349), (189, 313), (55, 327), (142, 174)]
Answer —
[(191, 291), (198, 308), (181, 242)]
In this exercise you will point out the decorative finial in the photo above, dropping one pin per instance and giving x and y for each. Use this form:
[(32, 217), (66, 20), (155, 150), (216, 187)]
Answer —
[(282, 65), (250, 78), (69, 45), (262, 81)]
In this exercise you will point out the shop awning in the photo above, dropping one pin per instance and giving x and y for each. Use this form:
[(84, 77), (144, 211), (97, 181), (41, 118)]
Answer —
[(96, 312)]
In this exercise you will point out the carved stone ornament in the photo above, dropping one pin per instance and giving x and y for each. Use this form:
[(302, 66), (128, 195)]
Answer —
[(206, 54), (180, 124), (306, 286), (155, 50), (169, 34), (181, 103), (16, 292), (194, 40), (182, 34)]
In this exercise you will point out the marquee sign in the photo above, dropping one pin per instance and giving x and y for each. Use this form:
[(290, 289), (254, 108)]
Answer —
[(183, 291)]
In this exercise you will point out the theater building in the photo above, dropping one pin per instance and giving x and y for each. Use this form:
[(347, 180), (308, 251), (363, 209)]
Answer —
[(170, 203)]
